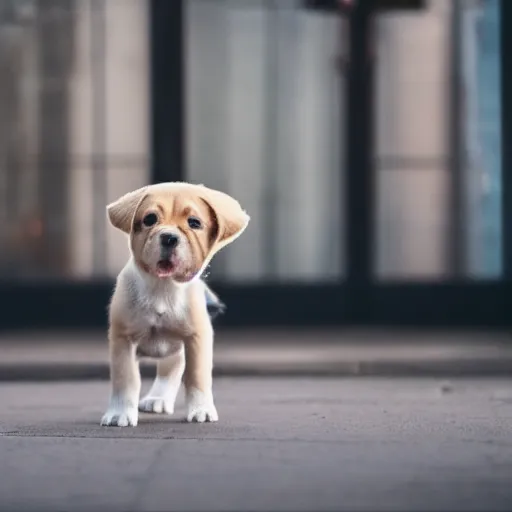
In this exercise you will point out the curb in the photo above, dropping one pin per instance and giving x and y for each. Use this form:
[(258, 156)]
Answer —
[(51, 372)]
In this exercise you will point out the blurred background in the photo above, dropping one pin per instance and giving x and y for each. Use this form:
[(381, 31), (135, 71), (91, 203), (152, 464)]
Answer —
[(364, 138), (371, 143)]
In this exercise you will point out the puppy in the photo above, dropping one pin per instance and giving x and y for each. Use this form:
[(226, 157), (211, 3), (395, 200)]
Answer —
[(159, 307)]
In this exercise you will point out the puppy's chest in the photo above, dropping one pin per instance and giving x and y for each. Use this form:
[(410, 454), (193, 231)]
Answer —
[(163, 314), (158, 344), (162, 325)]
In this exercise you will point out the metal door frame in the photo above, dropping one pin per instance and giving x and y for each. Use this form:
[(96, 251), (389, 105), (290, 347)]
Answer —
[(359, 299)]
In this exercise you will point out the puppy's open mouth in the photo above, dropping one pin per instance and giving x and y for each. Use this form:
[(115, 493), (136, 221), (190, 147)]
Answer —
[(165, 268)]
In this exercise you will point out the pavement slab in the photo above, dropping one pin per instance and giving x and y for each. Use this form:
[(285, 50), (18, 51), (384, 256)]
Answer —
[(281, 444)]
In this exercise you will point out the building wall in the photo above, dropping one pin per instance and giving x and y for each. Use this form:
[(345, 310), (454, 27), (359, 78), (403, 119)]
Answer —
[(265, 122)]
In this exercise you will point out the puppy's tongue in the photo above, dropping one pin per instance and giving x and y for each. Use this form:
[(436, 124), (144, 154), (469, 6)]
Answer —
[(164, 268)]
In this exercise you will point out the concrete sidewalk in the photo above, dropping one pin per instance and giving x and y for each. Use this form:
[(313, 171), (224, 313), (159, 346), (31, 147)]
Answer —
[(280, 445), (83, 355)]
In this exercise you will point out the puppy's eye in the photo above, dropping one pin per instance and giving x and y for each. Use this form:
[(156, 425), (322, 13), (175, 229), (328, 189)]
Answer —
[(150, 219), (194, 223)]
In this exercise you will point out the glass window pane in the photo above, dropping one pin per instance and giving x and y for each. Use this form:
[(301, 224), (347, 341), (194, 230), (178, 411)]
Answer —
[(74, 133), (411, 229), (482, 137), (264, 124)]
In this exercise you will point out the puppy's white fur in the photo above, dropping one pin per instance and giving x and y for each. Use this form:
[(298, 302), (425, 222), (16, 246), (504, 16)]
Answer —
[(166, 318)]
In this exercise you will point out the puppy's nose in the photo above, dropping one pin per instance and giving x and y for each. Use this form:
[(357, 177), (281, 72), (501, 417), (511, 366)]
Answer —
[(169, 240)]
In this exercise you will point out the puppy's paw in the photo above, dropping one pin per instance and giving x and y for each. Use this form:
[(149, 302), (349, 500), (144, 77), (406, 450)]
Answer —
[(200, 407), (120, 417), (161, 397), (157, 405), (203, 414)]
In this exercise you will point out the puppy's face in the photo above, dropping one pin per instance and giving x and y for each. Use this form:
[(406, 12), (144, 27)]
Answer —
[(176, 228), (172, 235)]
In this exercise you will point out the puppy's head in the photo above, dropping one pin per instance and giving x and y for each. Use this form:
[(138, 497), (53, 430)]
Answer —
[(176, 228)]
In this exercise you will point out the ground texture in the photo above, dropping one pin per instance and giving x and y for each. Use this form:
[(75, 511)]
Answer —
[(281, 444)]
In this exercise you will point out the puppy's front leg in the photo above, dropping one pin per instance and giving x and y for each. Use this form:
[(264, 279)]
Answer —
[(125, 382), (198, 377), (162, 395)]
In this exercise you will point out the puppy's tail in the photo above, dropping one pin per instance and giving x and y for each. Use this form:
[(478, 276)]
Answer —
[(214, 305)]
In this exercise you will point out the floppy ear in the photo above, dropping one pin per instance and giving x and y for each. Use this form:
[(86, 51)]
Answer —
[(231, 219), (122, 211)]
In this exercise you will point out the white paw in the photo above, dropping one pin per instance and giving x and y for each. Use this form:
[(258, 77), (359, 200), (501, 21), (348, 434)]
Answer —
[(157, 405), (162, 396), (202, 414), (200, 407), (120, 417)]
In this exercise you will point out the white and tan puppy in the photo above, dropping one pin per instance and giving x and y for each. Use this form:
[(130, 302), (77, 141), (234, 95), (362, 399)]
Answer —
[(158, 308)]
